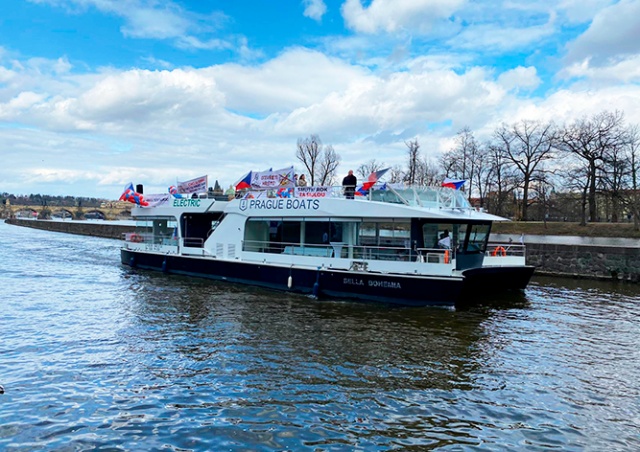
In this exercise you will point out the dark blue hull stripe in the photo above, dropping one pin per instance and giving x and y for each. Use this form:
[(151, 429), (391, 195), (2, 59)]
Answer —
[(377, 287)]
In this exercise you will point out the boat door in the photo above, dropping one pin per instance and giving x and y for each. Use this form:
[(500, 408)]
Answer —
[(471, 244)]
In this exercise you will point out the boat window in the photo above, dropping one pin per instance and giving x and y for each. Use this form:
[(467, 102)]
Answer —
[(439, 235), (196, 227), (291, 232), (367, 234), (386, 196), (428, 198), (396, 234), (322, 232), (256, 235), (461, 236), (478, 237), (271, 236), (158, 230)]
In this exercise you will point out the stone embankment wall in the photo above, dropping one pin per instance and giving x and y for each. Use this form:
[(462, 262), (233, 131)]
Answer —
[(575, 261), (110, 231), (585, 261)]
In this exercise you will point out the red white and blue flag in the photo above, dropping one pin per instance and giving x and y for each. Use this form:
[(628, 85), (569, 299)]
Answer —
[(130, 195), (363, 190), (456, 184), (244, 182)]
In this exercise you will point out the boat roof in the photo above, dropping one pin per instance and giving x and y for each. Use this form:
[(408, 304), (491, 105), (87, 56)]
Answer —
[(408, 202)]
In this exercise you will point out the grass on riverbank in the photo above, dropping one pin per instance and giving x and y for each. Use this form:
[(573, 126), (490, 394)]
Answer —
[(566, 228)]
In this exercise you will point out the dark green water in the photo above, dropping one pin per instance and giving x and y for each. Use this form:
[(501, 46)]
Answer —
[(95, 356)]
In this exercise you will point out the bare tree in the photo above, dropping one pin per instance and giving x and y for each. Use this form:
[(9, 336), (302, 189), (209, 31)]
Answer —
[(631, 196), (461, 161), (614, 177), (527, 144), (414, 161), (396, 174), (328, 166), (427, 173), (499, 180), (589, 139), (483, 171), (367, 168), (321, 162), (575, 176)]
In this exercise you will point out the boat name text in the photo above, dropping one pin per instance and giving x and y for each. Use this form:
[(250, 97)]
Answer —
[(184, 202), (372, 283), (280, 204)]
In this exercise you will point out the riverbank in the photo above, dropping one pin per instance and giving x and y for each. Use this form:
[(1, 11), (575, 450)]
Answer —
[(624, 230), (109, 230)]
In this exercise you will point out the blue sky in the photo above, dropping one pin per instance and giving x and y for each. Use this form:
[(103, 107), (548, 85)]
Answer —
[(97, 93)]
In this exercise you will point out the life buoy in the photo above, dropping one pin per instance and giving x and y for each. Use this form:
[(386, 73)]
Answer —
[(446, 256), (499, 251), (135, 238)]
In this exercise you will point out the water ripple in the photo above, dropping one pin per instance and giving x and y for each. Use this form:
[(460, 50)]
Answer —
[(96, 356)]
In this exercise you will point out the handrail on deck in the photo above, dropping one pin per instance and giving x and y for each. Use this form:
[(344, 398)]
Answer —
[(501, 249), (342, 250)]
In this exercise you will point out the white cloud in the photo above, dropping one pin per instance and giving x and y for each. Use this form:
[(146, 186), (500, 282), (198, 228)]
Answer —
[(152, 23), (314, 9), (520, 77), (492, 37), (298, 77), (580, 11), (393, 16), (402, 103), (614, 32), (625, 70)]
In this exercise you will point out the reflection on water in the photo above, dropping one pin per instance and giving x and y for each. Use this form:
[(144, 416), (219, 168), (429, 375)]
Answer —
[(99, 356)]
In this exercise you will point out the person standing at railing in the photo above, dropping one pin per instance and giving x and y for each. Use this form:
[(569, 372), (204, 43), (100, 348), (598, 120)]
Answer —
[(349, 183)]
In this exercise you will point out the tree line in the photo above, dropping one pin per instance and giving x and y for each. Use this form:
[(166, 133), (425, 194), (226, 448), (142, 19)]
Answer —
[(584, 170), (51, 201)]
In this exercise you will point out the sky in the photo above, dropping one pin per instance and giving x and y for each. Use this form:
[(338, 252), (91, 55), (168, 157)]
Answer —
[(95, 94)]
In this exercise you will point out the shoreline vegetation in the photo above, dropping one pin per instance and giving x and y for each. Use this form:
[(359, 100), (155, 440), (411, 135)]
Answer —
[(622, 230)]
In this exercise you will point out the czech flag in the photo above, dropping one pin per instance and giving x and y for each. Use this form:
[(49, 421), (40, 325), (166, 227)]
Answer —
[(363, 190), (456, 184), (244, 182)]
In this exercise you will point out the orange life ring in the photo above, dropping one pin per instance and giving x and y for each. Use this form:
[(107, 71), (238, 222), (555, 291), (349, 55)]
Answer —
[(135, 238), (499, 251)]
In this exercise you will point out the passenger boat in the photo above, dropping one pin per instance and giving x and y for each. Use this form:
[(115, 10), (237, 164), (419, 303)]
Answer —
[(381, 247)]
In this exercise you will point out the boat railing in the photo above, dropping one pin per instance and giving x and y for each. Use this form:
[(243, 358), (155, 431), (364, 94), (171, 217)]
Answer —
[(430, 197), (435, 255), (165, 240), (345, 251), (500, 249)]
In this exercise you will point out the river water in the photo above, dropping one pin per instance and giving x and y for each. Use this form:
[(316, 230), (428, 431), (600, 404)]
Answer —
[(96, 356)]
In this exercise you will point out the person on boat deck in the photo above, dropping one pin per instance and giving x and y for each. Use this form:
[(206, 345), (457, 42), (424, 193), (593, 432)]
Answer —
[(445, 240), (231, 192), (302, 182), (349, 183)]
